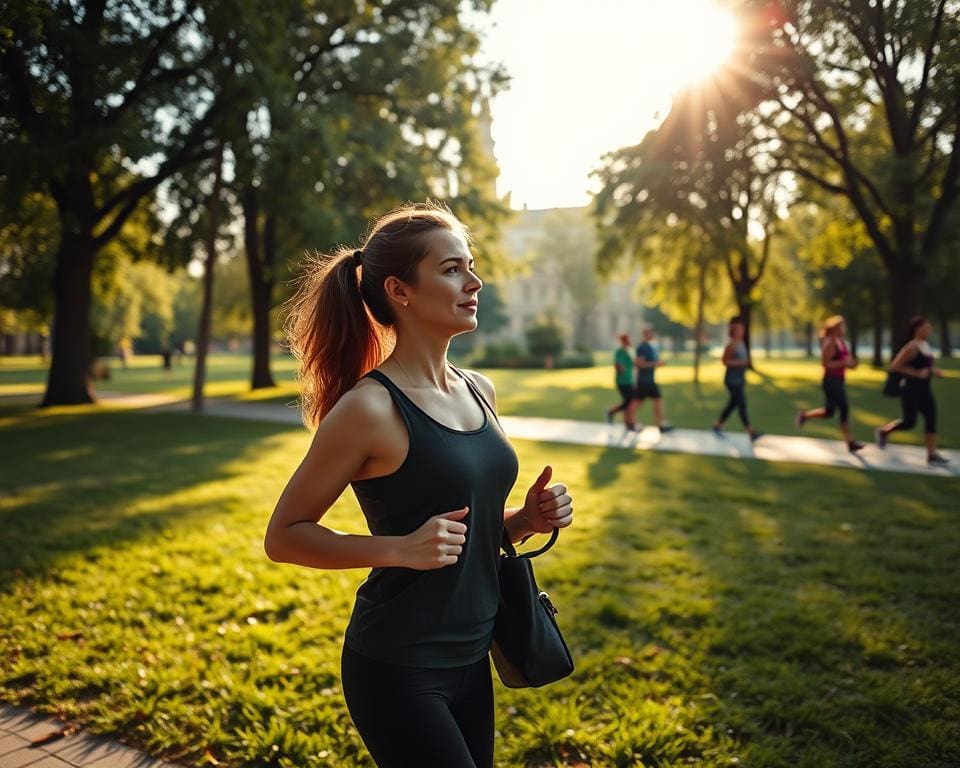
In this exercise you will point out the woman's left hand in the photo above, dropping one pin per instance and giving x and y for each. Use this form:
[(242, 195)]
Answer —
[(547, 508)]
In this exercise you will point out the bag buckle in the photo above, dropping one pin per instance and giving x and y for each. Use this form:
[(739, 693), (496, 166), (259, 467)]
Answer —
[(545, 600)]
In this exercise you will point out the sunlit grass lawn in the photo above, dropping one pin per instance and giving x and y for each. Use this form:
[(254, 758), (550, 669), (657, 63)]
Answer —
[(719, 611), (782, 386)]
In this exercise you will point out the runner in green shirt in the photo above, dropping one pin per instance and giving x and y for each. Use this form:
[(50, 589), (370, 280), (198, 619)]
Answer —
[(623, 362)]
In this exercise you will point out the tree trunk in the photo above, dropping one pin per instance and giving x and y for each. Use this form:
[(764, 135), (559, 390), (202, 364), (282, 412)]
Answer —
[(905, 303), (698, 331), (853, 328), (877, 330), (808, 333), (69, 381), (206, 311), (261, 284), (767, 336), (946, 350), (744, 311)]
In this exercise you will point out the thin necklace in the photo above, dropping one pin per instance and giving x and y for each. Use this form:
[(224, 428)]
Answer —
[(405, 374)]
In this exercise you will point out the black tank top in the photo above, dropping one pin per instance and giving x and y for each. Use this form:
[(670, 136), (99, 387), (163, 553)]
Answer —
[(444, 617)]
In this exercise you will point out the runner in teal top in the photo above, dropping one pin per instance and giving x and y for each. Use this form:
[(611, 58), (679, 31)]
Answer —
[(646, 362), (623, 362), (736, 358)]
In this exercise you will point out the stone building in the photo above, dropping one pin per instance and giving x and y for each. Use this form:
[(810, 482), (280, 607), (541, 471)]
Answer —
[(539, 286)]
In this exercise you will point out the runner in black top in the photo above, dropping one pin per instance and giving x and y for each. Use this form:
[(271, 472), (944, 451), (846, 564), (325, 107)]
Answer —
[(914, 362), (418, 441)]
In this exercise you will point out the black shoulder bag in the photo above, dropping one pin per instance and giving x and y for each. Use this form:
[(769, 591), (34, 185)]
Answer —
[(528, 649), (893, 385)]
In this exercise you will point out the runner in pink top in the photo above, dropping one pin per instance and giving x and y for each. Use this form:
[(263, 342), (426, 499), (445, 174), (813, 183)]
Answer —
[(836, 358)]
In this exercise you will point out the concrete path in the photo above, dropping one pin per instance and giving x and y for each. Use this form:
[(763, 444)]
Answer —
[(735, 445), (39, 741)]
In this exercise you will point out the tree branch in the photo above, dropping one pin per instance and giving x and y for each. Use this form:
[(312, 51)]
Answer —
[(950, 186), (150, 64), (927, 64)]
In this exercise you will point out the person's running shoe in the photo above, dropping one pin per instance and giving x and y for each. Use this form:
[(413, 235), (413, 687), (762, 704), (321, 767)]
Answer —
[(717, 431), (881, 438), (854, 445), (754, 436), (664, 428), (800, 419), (936, 460), (609, 417)]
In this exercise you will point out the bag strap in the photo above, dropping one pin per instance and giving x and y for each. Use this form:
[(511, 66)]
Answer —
[(511, 551)]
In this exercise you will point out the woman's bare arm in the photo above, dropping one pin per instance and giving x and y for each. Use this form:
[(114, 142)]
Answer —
[(353, 441)]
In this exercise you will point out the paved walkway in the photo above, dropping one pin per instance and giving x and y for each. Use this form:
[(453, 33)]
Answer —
[(782, 448), (39, 741)]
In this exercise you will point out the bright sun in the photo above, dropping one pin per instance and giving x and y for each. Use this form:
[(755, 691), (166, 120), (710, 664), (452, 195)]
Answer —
[(706, 42), (588, 78)]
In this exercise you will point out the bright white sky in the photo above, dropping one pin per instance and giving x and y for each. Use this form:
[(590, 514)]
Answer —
[(588, 77)]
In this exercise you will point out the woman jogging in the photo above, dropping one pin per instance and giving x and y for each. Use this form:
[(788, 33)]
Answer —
[(736, 358), (623, 363), (914, 362), (836, 359), (418, 441), (646, 362)]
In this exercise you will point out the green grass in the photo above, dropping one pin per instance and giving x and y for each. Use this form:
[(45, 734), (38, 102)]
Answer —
[(782, 386), (721, 612)]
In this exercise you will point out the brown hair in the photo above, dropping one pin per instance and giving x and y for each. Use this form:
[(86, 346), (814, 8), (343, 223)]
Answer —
[(339, 326)]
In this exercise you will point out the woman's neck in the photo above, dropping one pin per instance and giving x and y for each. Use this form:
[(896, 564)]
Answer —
[(422, 361)]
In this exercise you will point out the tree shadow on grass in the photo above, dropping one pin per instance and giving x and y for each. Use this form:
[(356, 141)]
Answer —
[(73, 483), (817, 646)]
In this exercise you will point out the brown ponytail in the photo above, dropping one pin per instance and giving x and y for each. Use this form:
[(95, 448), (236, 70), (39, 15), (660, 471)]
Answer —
[(340, 327)]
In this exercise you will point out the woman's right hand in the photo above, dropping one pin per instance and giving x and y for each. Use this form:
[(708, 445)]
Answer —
[(436, 543)]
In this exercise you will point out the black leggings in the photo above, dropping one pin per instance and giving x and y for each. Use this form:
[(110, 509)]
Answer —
[(918, 399), (836, 394), (414, 717), (626, 392), (738, 400)]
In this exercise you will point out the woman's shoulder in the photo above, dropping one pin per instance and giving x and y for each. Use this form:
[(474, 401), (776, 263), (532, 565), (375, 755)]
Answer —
[(367, 400), (482, 382)]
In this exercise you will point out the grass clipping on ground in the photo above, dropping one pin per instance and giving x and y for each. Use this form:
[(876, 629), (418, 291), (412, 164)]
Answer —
[(720, 612)]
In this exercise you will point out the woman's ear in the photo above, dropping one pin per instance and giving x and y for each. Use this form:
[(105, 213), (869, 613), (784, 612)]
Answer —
[(397, 291)]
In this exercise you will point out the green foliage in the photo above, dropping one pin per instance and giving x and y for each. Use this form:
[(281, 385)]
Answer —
[(545, 338)]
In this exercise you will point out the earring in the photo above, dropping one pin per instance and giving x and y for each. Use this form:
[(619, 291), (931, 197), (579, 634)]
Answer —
[(405, 302)]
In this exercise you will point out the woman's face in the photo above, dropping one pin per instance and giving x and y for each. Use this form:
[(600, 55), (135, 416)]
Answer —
[(839, 330), (736, 331), (923, 332), (445, 295)]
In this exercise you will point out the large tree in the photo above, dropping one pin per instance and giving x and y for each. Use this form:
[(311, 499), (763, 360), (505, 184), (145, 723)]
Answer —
[(864, 99), (704, 169), (100, 102), (366, 107)]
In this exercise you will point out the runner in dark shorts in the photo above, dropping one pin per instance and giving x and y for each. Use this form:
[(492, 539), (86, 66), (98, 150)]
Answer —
[(646, 362)]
